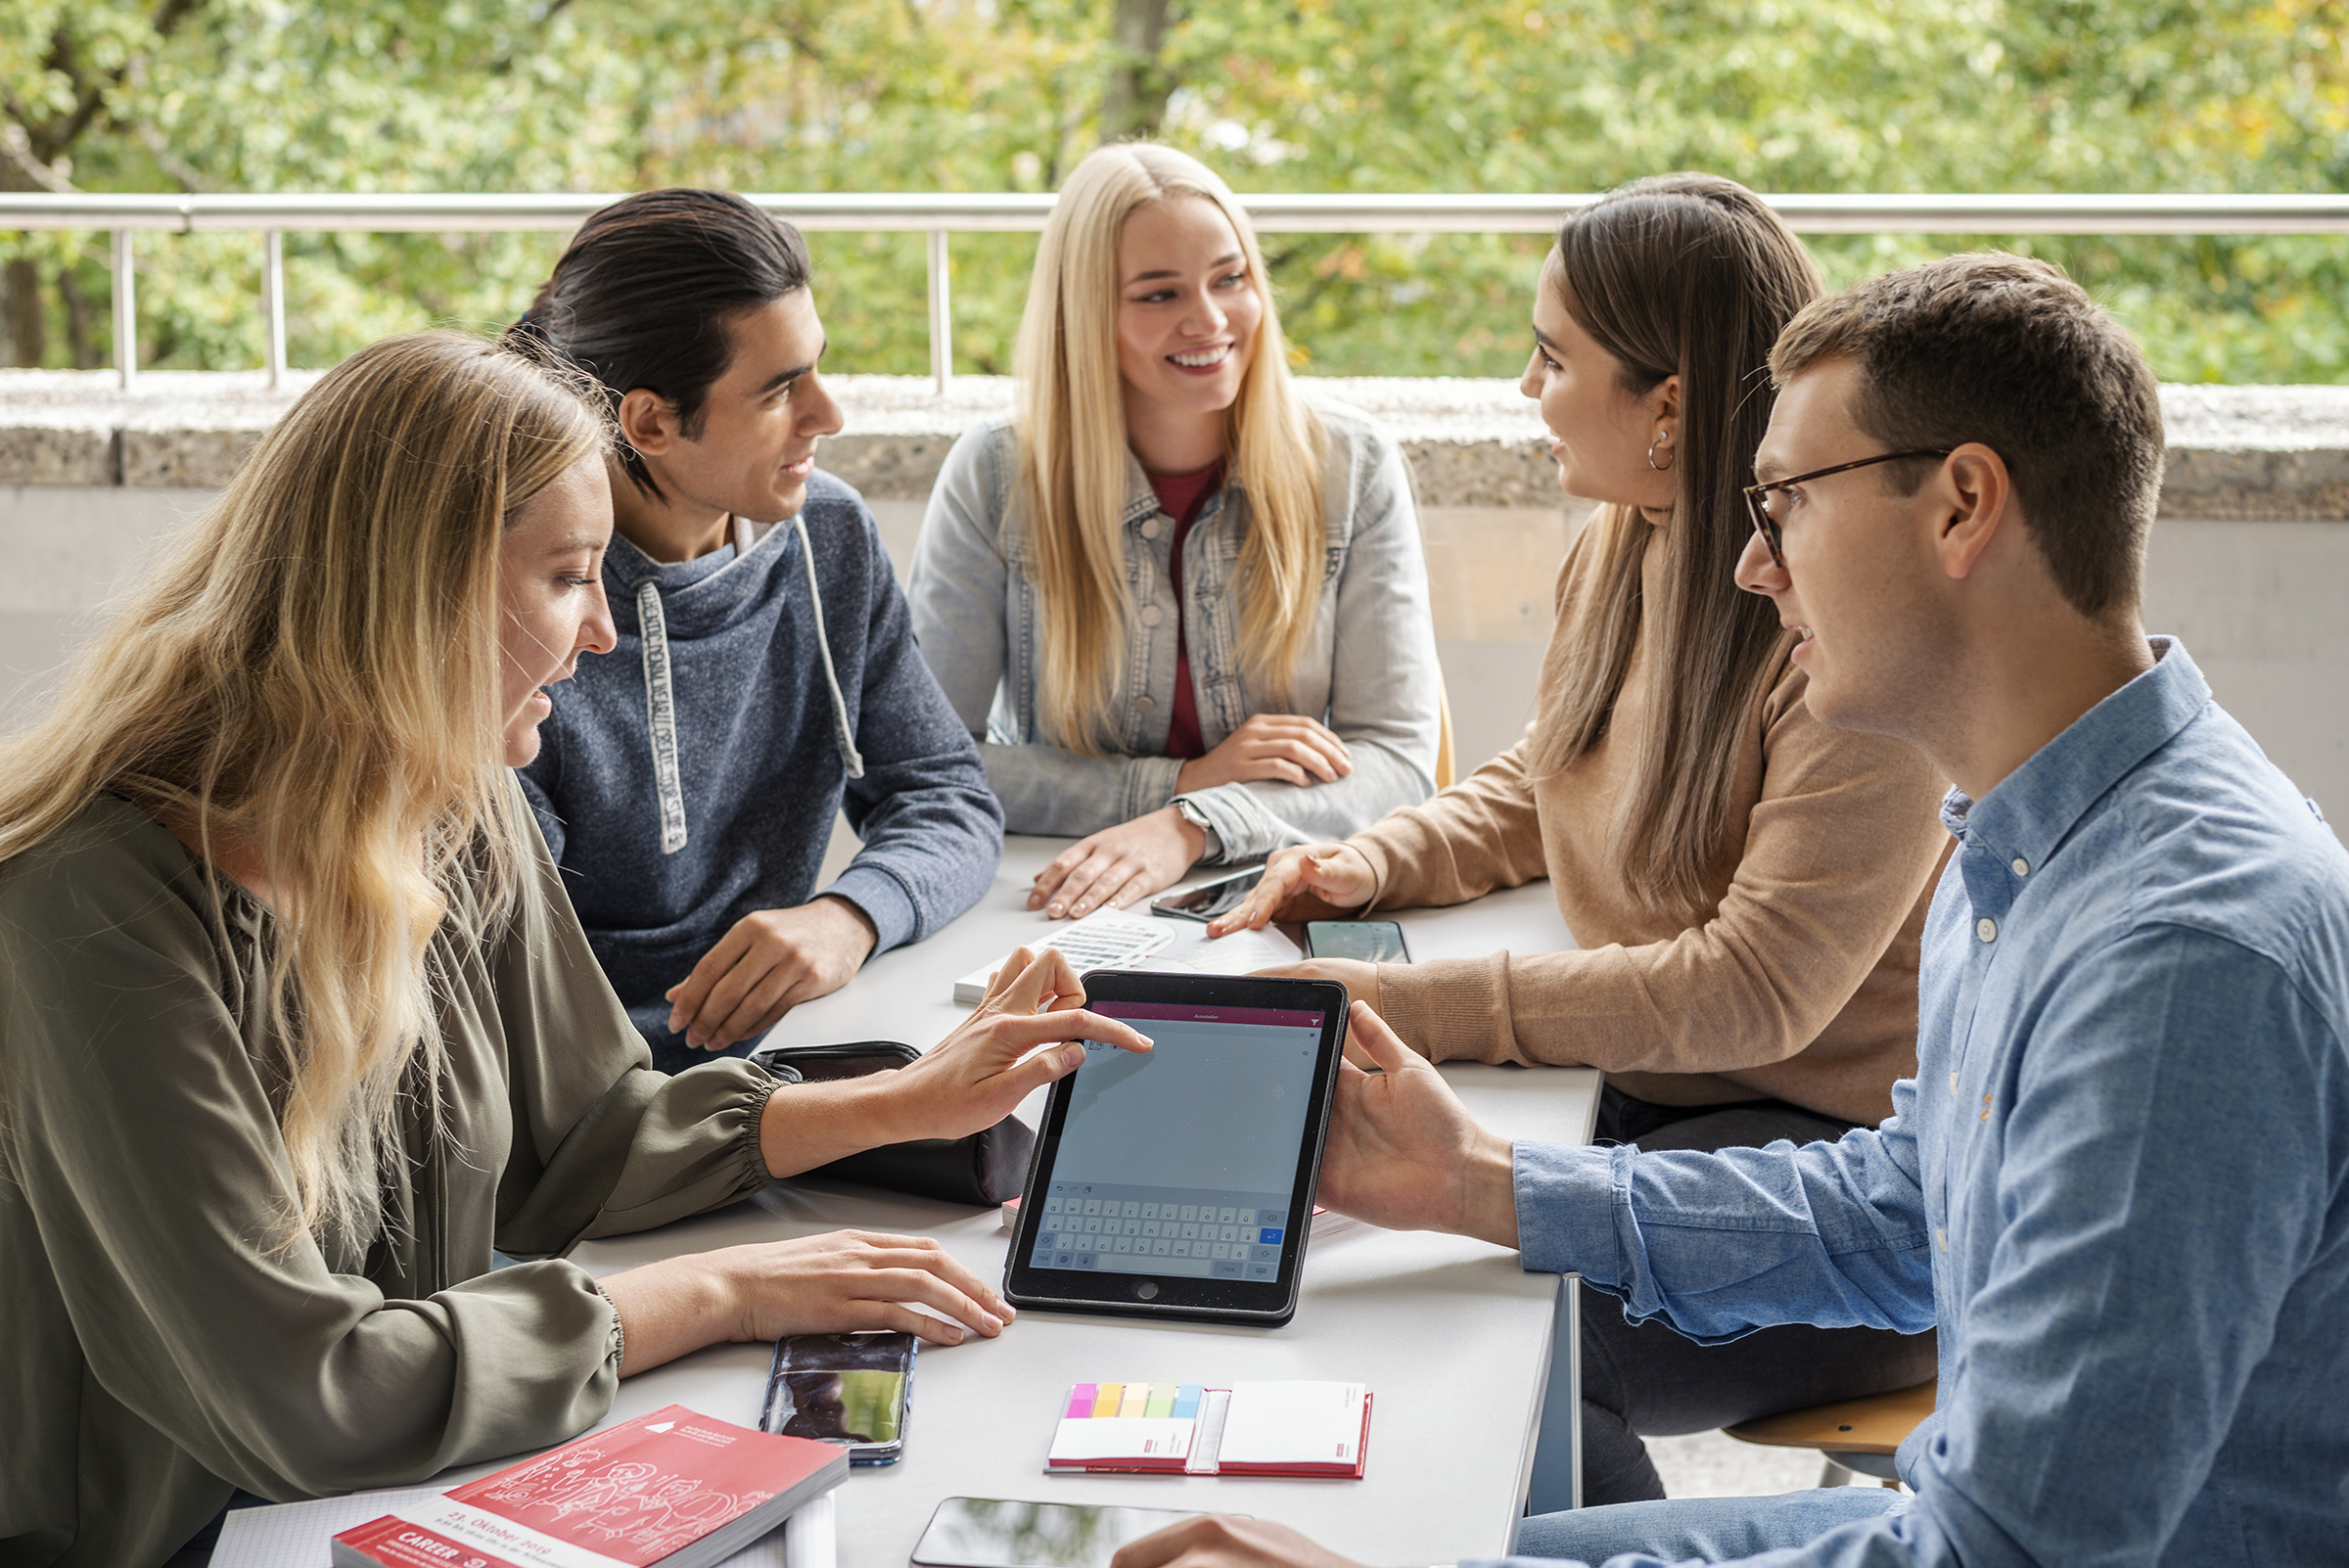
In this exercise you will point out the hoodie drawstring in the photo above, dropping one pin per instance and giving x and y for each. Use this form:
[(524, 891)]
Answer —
[(661, 715), (660, 700), (849, 757)]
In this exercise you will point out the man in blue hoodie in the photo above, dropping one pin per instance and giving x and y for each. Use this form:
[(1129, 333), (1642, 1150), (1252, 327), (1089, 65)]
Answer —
[(766, 676)]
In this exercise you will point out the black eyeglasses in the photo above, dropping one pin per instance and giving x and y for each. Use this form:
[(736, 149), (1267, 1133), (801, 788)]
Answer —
[(1760, 498)]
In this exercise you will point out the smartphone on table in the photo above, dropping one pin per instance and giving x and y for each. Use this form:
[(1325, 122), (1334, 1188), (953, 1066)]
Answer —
[(997, 1533), (1204, 900), (1373, 941), (856, 1390)]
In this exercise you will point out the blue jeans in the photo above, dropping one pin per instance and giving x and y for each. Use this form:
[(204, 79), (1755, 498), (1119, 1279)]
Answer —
[(1702, 1529)]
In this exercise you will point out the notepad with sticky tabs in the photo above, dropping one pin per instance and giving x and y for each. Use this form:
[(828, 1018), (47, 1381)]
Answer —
[(1290, 1428)]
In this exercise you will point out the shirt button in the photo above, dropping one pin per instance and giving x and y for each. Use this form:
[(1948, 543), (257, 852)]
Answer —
[(1953, 1082), (1152, 615), (1150, 529), (1145, 703), (1940, 1238), (1987, 928), (2021, 866)]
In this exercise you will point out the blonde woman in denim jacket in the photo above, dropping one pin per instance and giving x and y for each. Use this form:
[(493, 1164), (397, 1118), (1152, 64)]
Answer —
[(1183, 613)]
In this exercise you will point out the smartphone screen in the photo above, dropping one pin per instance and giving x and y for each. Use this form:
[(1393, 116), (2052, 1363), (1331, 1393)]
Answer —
[(1211, 899), (991, 1533), (1376, 941), (851, 1389)]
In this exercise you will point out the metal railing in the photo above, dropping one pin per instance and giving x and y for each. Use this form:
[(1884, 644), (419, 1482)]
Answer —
[(942, 215)]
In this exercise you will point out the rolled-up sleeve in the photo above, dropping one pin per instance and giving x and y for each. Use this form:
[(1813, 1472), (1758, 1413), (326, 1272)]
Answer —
[(1718, 1245), (148, 1222), (146, 1148), (603, 1142)]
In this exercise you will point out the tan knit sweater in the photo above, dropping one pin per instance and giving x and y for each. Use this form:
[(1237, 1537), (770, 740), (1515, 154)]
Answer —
[(1795, 978)]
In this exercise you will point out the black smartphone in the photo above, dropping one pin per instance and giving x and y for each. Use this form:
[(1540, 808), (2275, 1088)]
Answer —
[(997, 1533), (1375, 941), (1204, 900), (856, 1390)]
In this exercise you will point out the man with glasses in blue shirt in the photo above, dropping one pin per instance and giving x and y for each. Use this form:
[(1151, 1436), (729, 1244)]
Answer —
[(2119, 1184)]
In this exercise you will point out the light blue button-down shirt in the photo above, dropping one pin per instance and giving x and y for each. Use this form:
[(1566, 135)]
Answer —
[(2119, 1184)]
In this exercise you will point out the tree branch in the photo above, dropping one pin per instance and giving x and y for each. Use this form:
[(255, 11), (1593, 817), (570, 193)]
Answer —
[(49, 141)]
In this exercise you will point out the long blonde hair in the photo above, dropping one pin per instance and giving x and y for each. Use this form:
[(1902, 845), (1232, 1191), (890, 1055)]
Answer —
[(1072, 450), (1689, 275), (313, 668)]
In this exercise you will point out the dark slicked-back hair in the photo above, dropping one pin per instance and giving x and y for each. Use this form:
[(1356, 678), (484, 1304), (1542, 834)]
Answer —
[(644, 295), (2007, 351)]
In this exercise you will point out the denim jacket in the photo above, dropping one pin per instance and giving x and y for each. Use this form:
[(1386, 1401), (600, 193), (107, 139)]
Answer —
[(2119, 1182), (1368, 670)]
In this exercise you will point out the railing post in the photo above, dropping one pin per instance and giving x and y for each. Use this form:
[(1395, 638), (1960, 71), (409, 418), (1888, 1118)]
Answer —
[(126, 313), (941, 314), (273, 301)]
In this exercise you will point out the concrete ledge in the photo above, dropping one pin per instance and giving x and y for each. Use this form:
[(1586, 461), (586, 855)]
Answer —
[(2236, 453)]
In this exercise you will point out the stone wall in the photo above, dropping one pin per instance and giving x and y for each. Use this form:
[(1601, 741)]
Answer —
[(2249, 564)]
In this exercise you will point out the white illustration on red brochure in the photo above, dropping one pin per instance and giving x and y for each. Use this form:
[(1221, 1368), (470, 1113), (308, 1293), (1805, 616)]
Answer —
[(636, 1493)]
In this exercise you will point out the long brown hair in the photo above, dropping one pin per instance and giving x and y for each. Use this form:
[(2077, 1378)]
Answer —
[(1688, 275), (313, 667), (1072, 450)]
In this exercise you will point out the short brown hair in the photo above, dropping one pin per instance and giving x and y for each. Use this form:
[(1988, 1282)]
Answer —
[(2009, 352)]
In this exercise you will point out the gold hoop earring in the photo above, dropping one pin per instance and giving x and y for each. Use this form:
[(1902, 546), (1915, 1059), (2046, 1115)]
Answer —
[(1661, 468)]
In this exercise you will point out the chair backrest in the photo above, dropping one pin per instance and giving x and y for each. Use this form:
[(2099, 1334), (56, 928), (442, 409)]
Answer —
[(1447, 764)]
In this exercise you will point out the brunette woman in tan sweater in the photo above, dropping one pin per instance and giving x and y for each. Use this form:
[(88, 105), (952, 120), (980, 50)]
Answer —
[(1746, 886)]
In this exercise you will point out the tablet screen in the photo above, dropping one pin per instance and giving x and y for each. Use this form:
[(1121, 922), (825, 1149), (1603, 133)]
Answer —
[(1183, 1162)]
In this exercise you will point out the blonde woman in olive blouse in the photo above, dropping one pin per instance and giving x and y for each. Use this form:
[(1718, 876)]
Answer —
[(297, 1023)]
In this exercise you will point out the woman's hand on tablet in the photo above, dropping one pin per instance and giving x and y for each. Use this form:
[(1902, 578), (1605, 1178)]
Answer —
[(1405, 1153), (1269, 747), (838, 1283), (979, 1074), (1310, 883), (1118, 866), (1220, 1540)]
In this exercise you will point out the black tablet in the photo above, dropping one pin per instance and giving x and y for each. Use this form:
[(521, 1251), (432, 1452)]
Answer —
[(1179, 1182)]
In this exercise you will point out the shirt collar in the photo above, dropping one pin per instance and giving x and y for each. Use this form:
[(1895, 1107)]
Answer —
[(2028, 814), (1142, 496)]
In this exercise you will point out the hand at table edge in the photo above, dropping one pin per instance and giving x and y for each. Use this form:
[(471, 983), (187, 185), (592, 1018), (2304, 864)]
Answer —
[(838, 1283)]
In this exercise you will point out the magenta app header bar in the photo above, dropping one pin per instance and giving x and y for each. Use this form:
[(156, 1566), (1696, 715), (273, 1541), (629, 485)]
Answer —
[(1279, 1017)]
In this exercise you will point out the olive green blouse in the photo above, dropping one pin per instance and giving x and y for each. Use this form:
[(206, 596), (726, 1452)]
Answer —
[(159, 1346)]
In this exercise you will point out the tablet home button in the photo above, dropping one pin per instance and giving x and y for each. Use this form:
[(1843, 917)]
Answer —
[(1145, 1290)]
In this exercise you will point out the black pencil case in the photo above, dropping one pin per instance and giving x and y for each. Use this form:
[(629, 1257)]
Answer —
[(983, 1169)]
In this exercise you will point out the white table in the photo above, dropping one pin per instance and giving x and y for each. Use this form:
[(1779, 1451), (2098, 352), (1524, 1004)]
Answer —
[(1451, 1336)]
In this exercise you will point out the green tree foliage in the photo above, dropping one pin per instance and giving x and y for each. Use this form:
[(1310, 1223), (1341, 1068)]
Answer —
[(1300, 95)]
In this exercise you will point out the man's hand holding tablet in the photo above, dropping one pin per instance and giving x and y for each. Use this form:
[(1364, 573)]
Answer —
[(1403, 1152)]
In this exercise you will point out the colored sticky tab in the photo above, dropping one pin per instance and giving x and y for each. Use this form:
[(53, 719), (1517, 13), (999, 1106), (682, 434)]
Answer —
[(1136, 1399), (1107, 1398), (1162, 1399), (1081, 1402), (1186, 1401)]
